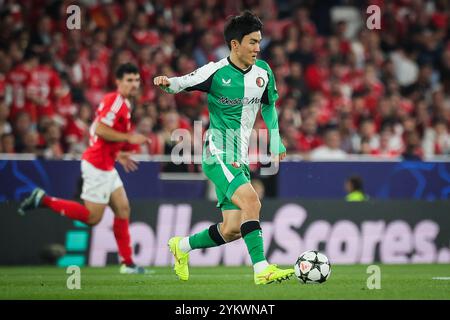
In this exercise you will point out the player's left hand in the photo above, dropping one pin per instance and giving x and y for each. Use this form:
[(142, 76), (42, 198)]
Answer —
[(281, 156), (125, 160), (276, 158)]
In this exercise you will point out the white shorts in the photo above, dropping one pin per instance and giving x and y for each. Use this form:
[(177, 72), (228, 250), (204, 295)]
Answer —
[(98, 184)]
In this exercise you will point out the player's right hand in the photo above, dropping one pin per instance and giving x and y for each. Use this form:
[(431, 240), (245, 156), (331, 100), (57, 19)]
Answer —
[(138, 138), (161, 81), (125, 160)]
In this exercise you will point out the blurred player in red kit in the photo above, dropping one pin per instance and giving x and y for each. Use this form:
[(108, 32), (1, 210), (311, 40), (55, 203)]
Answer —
[(110, 140), (17, 81)]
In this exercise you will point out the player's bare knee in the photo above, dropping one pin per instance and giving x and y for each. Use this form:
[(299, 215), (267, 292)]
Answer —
[(230, 234), (93, 220), (251, 204), (253, 207)]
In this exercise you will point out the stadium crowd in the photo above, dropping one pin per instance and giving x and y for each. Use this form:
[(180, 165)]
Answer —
[(382, 93)]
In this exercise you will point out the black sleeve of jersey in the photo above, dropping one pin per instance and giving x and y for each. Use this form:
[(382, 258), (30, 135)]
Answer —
[(203, 86), (265, 95)]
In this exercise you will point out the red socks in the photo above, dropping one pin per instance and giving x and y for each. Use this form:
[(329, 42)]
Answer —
[(70, 209), (122, 234), (74, 210)]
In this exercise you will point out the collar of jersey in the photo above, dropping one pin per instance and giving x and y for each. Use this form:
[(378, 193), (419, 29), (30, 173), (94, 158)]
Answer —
[(237, 68), (127, 102)]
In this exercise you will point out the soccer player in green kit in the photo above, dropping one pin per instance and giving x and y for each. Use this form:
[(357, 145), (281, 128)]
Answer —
[(237, 86)]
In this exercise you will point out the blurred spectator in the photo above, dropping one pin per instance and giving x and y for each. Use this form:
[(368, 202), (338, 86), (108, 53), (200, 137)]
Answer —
[(18, 80), (368, 133), (7, 143), (406, 69), (444, 67), (147, 70), (316, 74), (145, 127), (308, 138), (42, 36), (170, 122), (22, 126), (365, 147), (142, 33), (204, 51), (387, 147), (413, 150), (65, 107), (76, 132), (53, 148), (44, 87), (347, 131), (30, 143), (296, 83), (331, 149), (291, 139), (5, 126), (437, 139), (355, 190)]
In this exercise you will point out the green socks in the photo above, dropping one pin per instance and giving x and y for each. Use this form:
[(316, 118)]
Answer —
[(250, 231), (252, 234), (207, 238)]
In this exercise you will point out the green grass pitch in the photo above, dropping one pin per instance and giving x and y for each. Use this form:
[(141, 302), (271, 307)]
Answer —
[(224, 283)]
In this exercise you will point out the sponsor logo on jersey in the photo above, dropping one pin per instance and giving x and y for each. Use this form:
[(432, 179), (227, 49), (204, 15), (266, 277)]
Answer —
[(237, 101), (260, 82), (226, 82)]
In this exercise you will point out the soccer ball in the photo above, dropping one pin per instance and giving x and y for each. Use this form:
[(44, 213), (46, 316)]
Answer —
[(312, 267)]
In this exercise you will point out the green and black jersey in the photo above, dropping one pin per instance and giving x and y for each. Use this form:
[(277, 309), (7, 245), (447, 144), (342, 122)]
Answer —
[(234, 98)]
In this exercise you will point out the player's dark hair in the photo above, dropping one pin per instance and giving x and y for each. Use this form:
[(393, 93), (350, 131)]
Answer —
[(239, 26), (357, 183), (126, 68)]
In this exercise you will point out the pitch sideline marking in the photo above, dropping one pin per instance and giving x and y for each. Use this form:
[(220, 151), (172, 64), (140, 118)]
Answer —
[(441, 278)]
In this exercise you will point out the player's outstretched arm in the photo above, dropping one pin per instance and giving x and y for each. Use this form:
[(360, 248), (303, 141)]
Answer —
[(199, 79), (109, 134)]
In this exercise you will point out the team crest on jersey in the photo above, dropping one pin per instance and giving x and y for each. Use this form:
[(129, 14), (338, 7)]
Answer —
[(260, 82)]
